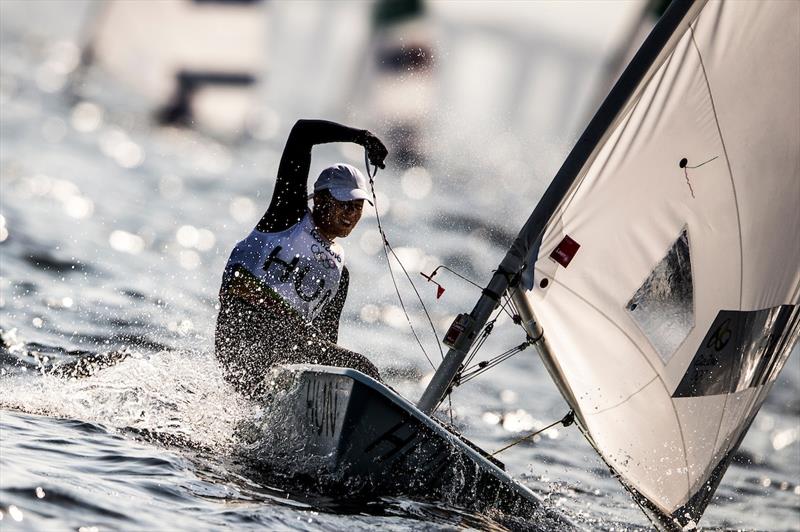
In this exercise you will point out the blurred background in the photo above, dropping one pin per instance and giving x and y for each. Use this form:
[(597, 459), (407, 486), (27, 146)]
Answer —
[(139, 141), (153, 128)]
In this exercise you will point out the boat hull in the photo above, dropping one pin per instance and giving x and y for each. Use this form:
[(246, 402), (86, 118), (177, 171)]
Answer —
[(341, 433)]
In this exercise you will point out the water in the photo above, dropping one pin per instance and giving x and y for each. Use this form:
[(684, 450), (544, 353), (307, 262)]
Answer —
[(113, 236)]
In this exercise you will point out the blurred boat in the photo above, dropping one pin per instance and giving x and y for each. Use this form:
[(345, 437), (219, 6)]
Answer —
[(198, 63)]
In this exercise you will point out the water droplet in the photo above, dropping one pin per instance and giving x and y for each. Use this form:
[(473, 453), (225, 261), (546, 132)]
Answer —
[(242, 209), (187, 236), (86, 117), (189, 259), (508, 396), (126, 242), (416, 183), (15, 513), (205, 240)]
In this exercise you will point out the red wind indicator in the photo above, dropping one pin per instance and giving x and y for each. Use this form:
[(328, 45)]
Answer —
[(439, 288)]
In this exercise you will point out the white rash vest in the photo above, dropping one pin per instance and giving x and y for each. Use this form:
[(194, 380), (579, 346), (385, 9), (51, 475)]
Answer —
[(298, 264)]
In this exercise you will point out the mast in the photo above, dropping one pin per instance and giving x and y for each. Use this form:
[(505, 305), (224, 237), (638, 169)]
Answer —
[(653, 51)]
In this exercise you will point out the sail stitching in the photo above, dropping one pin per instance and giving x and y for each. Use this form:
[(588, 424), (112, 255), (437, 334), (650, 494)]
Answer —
[(608, 318), (735, 198), (645, 385), (647, 360), (727, 162)]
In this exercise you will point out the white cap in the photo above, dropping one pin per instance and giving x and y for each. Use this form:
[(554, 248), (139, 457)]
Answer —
[(344, 182)]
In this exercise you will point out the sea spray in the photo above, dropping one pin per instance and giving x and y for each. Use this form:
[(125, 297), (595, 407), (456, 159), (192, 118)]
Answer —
[(173, 396)]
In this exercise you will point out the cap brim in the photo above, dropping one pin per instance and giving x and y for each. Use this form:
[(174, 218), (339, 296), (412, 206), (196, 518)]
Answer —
[(349, 194)]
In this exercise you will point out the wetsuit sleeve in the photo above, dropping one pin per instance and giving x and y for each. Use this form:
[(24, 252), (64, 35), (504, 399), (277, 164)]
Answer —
[(327, 322), (289, 199)]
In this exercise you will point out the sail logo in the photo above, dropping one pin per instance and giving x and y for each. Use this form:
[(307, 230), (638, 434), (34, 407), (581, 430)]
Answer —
[(742, 349), (565, 251)]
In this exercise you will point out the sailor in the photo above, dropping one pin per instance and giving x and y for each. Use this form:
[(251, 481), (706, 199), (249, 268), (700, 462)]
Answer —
[(284, 286)]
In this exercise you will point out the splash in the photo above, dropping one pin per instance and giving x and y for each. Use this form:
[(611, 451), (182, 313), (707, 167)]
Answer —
[(174, 397)]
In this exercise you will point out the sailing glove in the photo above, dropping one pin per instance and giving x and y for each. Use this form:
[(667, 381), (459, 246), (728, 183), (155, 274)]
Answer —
[(376, 151)]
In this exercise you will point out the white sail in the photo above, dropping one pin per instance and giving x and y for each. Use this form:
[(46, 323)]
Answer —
[(667, 282)]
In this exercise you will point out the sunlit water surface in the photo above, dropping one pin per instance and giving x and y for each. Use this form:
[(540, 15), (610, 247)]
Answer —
[(113, 235)]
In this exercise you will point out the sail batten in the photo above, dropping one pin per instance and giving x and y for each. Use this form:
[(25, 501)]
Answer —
[(666, 269)]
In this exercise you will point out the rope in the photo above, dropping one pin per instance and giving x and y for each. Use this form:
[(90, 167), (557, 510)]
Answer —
[(468, 372), (567, 420), (388, 248), (481, 367)]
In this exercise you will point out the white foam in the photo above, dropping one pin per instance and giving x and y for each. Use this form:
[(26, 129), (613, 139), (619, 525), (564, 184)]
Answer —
[(180, 393)]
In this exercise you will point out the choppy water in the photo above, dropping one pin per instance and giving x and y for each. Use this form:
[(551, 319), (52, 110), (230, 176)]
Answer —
[(113, 236)]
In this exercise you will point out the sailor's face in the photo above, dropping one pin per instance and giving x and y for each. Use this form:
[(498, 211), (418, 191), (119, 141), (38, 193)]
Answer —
[(336, 219)]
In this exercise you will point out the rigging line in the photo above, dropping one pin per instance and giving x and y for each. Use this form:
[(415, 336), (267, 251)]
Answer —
[(462, 277), (503, 308), (514, 314), (483, 367), (450, 404), (492, 361), (388, 262), (419, 297), (471, 372), (567, 420), (464, 373), (487, 330), (701, 164)]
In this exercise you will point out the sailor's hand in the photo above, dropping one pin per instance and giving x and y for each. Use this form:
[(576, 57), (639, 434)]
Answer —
[(376, 151)]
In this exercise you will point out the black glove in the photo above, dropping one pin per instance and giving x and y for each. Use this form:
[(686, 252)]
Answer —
[(376, 151)]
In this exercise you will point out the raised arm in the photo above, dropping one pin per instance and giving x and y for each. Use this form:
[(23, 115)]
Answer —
[(289, 199)]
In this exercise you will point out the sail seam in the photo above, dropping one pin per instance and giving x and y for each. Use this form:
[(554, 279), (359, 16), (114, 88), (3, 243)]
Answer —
[(647, 360), (727, 162), (607, 317), (735, 200), (645, 385)]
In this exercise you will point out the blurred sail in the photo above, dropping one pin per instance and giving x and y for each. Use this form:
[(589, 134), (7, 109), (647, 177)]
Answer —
[(667, 282)]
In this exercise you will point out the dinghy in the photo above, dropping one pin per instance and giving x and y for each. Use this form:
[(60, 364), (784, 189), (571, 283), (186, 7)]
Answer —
[(338, 432), (658, 278)]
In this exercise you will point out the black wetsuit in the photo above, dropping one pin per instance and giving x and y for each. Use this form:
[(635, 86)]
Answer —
[(255, 332)]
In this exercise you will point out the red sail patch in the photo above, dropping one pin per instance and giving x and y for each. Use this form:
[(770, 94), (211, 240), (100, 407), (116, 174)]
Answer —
[(565, 251)]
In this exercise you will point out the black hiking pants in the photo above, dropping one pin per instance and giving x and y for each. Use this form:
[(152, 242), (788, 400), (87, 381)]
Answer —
[(250, 340)]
